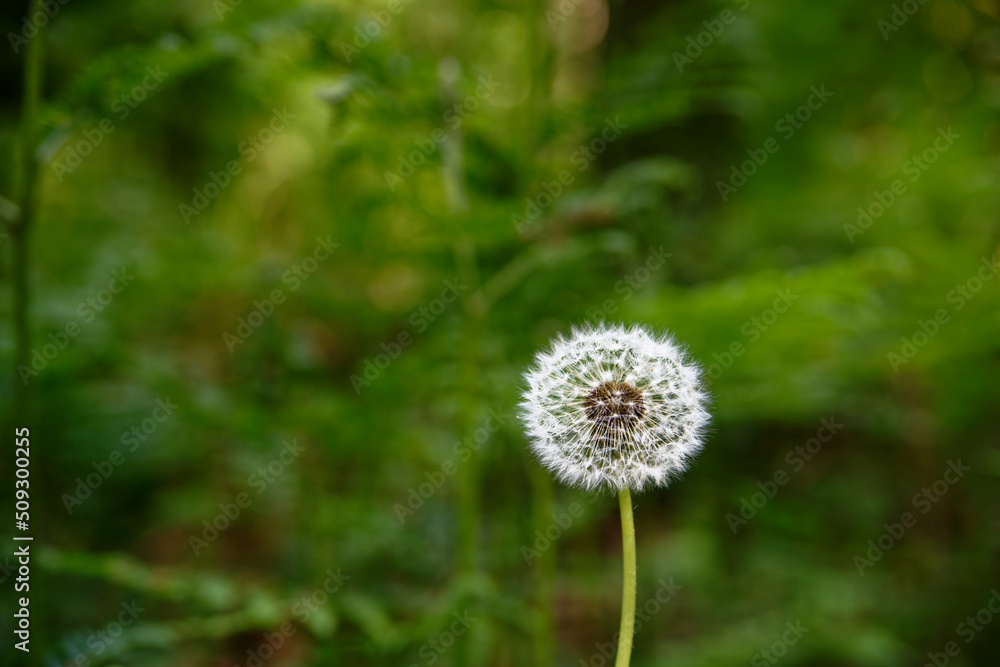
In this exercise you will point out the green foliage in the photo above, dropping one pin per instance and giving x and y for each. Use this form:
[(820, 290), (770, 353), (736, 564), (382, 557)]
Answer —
[(465, 238)]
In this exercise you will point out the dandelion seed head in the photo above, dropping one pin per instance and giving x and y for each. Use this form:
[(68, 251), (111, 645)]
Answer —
[(613, 407)]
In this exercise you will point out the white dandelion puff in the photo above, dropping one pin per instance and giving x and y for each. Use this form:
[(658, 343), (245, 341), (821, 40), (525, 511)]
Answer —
[(614, 407)]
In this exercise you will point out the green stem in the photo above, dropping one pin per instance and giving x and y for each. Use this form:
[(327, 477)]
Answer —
[(628, 583), (25, 195), (545, 570), (468, 501), (26, 179), (469, 479), (465, 259)]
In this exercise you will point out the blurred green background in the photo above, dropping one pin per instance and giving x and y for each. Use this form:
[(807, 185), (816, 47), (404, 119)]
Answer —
[(290, 259)]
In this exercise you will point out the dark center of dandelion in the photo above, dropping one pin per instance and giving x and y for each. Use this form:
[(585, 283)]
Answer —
[(615, 404)]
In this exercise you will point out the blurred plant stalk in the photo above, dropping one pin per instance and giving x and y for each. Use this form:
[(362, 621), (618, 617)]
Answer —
[(541, 60), (541, 64), (545, 573), (25, 188), (468, 505), (25, 196)]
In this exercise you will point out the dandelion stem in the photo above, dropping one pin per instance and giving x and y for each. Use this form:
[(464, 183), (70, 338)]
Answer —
[(628, 580)]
